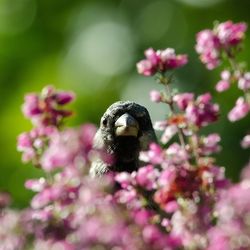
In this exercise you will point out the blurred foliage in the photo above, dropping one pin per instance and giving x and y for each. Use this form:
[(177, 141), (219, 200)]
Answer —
[(91, 47)]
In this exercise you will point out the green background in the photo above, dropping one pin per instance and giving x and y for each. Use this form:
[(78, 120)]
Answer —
[(91, 47)]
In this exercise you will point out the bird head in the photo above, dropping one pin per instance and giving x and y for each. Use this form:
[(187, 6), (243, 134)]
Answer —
[(126, 119), (125, 130)]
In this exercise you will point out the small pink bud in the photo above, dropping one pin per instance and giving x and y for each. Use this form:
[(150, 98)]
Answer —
[(155, 96), (222, 85)]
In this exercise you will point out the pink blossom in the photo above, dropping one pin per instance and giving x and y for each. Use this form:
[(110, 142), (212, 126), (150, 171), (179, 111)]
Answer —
[(176, 153), (169, 132), (146, 68), (171, 206), (208, 46), (31, 107), (229, 33), (45, 109), (160, 61), (245, 143), (152, 56), (154, 155), (124, 179), (155, 96), (24, 141), (222, 85), (160, 125), (244, 81), (11, 238), (36, 185), (240, 110), (170, 60), (210, 144), (32, 144), (64, 97), (167, 176), (202, 112), (225, 75), (126, 196), (65, 147), (211, 43), (146, 177), (183, 99), (142, 216), (232, 229)]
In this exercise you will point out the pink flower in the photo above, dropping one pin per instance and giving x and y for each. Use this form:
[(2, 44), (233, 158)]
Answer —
[(152, 56), (225, 75), (32, 144), (31, 106), (171, 206), (64, 97), (170, 60), (142, 216), (210, 144), (183, 99), (161, 61), (224, 83), (167, 176), (45, 109), (24, 141), (36, 185), (176, 153), (244, 81), (155, 96), (222, 86), (240, 110), (154, 155), (124, 179), (160, 125), (208, 46), (67, 146), (146, 68), (245, 143), (169, 132), (202, 112), (211, 43), (151, 233), (146, 177), (230, 34)]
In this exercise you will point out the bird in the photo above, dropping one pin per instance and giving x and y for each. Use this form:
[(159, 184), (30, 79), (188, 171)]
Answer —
[(125, 130)]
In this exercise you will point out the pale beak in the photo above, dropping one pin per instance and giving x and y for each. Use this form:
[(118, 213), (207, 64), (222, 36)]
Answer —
[(126, 125)]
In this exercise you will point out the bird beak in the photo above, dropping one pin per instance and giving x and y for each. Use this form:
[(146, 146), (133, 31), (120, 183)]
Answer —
[(126, 125)]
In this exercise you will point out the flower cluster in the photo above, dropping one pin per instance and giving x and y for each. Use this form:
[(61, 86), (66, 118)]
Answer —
[(32, 144), (46, 108), (160, 61), (178, 199), (10, 228), (224, 38), (233, 228), (224, 42)]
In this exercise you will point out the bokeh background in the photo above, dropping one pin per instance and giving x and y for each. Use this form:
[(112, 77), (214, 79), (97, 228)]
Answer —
[(91, 47)]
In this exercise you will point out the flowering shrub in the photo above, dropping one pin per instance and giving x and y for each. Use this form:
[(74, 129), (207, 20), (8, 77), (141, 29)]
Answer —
[(179, 199)]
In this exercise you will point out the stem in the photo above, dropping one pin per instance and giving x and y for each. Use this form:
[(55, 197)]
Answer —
[(236, 68), (171, 106)]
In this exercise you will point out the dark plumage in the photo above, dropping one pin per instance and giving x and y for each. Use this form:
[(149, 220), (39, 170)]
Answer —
[(125, 130)]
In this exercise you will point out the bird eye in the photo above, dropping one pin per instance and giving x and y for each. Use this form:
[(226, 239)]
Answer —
[(104, 122)]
